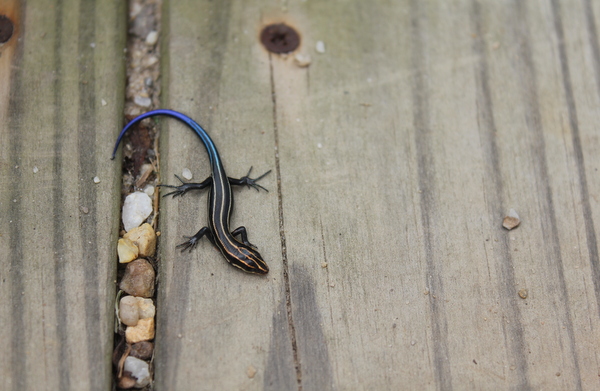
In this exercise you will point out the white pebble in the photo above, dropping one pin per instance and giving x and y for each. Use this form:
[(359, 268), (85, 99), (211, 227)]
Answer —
[(136, 208), (35, 169), (141, 101), (149, 190), (152, 38), (139, 370), (187, 174), (150, 61), (320, 47), (302, 60), (96, 179), (103, 102), (93, 45), (129, 311)]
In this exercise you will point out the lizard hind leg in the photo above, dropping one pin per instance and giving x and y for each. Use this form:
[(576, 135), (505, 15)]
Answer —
[(241, 231)]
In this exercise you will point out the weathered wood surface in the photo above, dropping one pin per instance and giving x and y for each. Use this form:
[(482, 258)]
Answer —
[(396, 154), (58, 228)]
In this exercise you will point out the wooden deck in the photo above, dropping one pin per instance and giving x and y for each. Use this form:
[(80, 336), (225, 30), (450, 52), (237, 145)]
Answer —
[(395, 156)]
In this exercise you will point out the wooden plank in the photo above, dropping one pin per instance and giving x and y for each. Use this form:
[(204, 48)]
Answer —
[(215, 322), (58, 228), (399, 151)]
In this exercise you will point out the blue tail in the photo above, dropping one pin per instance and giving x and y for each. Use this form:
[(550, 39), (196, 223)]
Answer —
[(206, 140)]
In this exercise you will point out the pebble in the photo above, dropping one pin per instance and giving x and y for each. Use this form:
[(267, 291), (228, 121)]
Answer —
[(511, 220), (144, 238), (127, 250), (142, 101), (103, 102), (152, 38), (129, 312), (96, 180), (186, 173), (132, 309), (142, 350), (139, 370), (136, 208), (142, 331), (126, 382), (35, 170), (523, 293), (302, 60), (149, 190), (320, 47), (138, 279), (146, 308)]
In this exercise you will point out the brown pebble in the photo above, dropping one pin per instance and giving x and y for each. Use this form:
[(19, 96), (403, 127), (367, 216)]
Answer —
[(251, 371), (142, 350), (138, 279), (523, 293), (511, 220), (126, 382)]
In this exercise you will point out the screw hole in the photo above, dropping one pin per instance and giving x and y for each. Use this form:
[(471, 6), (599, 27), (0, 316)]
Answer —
[(280, 38)]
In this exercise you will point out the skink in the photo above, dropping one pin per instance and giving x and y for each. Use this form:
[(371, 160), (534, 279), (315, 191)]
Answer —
[(240, 254)]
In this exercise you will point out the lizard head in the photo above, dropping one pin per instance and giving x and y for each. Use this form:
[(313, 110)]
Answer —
[(250, 260)]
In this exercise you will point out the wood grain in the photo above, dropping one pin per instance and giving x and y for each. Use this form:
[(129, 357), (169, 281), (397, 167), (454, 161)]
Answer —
[(58, 228), (396, 155), (398, 152)]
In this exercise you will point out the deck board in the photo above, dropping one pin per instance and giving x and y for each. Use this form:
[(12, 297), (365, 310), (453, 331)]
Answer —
[(395, 156), (400, 149), (58, 228)]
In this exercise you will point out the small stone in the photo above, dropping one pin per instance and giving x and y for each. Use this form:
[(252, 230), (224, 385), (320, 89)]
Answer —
[(142, 331), (139, 370), (152, 38), (149, 190), (523, 293), (149, 61), (136, 208), (146, 308), (251, 371), (138, 279), (144, 238), (96, 180), (103, 102), (323, 265), (126, 382), (35, 170), (142, 101), (129, 312), (320, 47), (511, 220), (186, 174), (142, 350), (302, 60), (127, 250)]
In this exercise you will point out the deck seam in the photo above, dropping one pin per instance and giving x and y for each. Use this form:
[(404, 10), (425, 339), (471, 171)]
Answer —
[(286, 278)]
